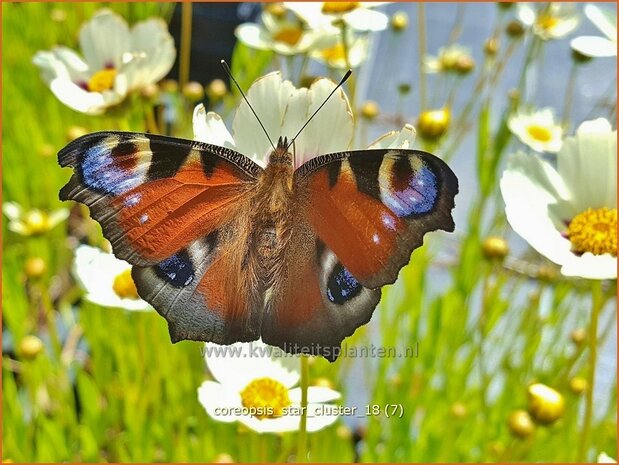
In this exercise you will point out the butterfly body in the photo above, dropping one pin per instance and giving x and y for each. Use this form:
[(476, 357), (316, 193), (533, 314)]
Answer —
[(229, 251)]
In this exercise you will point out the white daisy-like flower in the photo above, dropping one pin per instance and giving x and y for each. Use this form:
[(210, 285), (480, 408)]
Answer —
[(568, 213), (396, 139), (283, 109), (117, 60), (106, 279), (32, 222), (358, 15), (449, 59), (552, 21), (595, 46), (605, 458), (254, 384), (332, 52), (278, 34), (538, 130)]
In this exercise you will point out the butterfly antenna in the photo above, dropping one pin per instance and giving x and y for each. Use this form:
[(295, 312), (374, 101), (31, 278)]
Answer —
[(227, 69), (346, 76)]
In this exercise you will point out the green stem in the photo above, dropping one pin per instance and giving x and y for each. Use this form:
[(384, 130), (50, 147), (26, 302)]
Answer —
[(352, 81), (185, 55), (421, 37), (597, 302), (302, 437), (569, 96)]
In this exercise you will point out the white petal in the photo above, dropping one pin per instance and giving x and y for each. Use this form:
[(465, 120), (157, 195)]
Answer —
[(152, 39), (210, 128), (588, 164), (58, 217), (396, 139), (75, 97), (593, 46), (214, 397), (236, 365), (283, 424), (526, 14), (253, 35), (605, 20), (12, 210), (104, 39), (591, 266), (363, 19), (320, 416), (605, 458), (315, 395)]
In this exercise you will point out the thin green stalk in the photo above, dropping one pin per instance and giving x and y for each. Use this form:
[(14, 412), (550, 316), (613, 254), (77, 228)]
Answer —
[(302, 436), (421, 37), (185, 55), (569, 95), (597, 302), (352, 81)]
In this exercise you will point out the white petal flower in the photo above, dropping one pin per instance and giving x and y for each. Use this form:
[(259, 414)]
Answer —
[(605, 458), (396, 139), (538, 130), (283, 110), (595, 46), (358, 15), (106, 279), (117, 60), (254, 384), (331, 51), (32, 222), (448, 60), (552, 21), (569, 212)]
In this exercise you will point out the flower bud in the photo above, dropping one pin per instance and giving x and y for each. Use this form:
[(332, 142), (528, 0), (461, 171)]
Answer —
[(58, 15), (494, 247), (193, 91), (432, 124), (35, 267), (30, 346), (404, 88), (464, 64), (276, 9), (216, 90), (223, 458), (545, 404), (578, 385), (343, 432), (520, 424), (514, 29), (399, 21), (76, 131), (47, 150), (458, 409), (491, 46), (370, 110), (578, 336), (169, 85), (505, 5)]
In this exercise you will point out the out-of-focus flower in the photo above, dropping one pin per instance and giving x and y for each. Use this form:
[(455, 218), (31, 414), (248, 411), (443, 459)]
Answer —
[(106, 279), (491, 46), (399, 21), (216, 90), (35, 267), (569, 213), (282, 35), (271, 96), (538, 130), (117, 60), (451, 59), (254, 385), (223, 458), (515, 29), (578, 385), (549, 21), (358, 15), (30, 346), (433, 124), (494, 247), (578, 336), (332, 52), (193, 91), (595, 46), (546, 405), (370, 109), (520, 424), (32, 222), (605, 458)]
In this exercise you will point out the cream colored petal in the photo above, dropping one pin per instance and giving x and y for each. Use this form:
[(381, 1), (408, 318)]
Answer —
[(12, 210), (210, 128), (151, 39), (526, 14), (362, 19), (403, 139), (218, 400), (593, 46), (283, 424), (591, 266), (254, 36), (605, 20), (58, 216), (73, 96), (320, 416), (104, 39)]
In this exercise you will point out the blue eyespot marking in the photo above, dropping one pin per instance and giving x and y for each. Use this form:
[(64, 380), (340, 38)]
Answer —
[(103, 173), (177, 270), (342, 286), (415, 195), (133, 199)]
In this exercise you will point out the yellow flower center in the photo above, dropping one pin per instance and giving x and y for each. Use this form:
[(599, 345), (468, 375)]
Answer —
[(595, 231), (36, 222), (267, 396), (539, 133), (335, 53), (102, 80), (330, 8), (547, 22), (124, 287), (288, 35)]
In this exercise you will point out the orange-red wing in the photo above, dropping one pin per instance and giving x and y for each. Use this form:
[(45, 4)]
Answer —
[(373, 207), (154, 195)]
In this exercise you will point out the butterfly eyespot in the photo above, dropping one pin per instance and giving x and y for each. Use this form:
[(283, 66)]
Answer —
[(177, 270), (409, 191), (342, 286)]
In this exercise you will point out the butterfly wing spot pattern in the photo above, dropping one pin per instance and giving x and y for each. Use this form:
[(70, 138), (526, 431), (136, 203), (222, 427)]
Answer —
[(228, 251)]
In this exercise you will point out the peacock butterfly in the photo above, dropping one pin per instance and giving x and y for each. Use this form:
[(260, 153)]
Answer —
[(228, 251)]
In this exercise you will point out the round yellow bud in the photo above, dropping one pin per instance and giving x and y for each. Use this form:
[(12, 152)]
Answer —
[(323, 382), (514, 29), (30, 346), (223, 458), (76, 131), (216, 90), (169, 85), (35, 267), (546, 405), (193, 91), (491, 47), (464, 64), (494, 247), (370, 110), (47, 150), (433, 124), (58, 15), (578, 336), (459, 410), (343, 432), (399, 21), (578, 385), (520, 424)]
